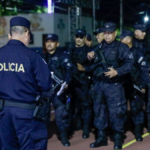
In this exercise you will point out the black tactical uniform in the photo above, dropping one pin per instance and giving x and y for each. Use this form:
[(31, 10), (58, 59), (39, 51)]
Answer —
[(81, 84), (138, 77), (144, 47), (109, 91), (61, 66)]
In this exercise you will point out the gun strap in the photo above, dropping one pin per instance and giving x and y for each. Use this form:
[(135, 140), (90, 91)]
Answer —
[(19, 104), (115, 49)]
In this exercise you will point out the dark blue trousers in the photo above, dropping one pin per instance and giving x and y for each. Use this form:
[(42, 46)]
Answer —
[(137, 113), (109, 103), (61, 114), (19, 131), (83, 97)]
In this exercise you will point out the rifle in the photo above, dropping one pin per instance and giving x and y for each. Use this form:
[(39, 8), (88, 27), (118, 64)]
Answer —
[(58, 82)]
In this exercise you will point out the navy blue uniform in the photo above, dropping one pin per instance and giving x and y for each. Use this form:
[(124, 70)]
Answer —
[(109, 91), (138, 76), (23, 76), (81, 86), (60, 64)]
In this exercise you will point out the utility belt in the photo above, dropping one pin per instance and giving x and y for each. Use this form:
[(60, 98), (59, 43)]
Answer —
[(109, 80), (41, 107), (12, 103)]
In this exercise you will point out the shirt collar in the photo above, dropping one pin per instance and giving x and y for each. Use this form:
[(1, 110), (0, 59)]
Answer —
[(15, 42), (112, 44)]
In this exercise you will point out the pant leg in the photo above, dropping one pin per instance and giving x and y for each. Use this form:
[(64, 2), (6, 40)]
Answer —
[(19, 131), (61, 114), (99, 107), (85, 102), (148, 102), (116, 104), (137, 114)]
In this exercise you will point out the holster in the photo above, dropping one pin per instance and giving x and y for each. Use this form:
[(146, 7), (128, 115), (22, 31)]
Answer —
[(42, 109)]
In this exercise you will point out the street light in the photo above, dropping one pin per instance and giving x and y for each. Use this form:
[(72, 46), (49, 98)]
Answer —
[(146, 18)]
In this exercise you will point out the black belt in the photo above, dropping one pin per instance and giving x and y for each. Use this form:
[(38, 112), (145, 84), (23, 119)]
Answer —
[(19, 104)]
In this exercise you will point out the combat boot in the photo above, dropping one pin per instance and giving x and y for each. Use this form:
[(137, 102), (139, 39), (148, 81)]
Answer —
[(101, 140), (138, 132), (117, 140), (86, 131), (148, 128), (64, 139)]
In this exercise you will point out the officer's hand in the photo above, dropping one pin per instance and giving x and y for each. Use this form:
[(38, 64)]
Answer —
[(80, 67), (143, 90), (112, 73), (90, 55)]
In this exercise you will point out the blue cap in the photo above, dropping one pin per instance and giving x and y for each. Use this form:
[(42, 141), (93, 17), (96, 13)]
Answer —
[(125, 33), (110, 27), (21, 21), (141, 27), (88, 37), (51, 36), (80, 32), (99, 30)]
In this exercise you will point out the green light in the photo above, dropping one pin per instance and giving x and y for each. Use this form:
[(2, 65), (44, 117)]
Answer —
[(15, 9), (45, 10), (39, 11)]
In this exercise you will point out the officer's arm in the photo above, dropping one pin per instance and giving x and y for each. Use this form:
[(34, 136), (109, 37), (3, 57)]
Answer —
[(127, 58), (69, 69), (42, 73), (144, 72)]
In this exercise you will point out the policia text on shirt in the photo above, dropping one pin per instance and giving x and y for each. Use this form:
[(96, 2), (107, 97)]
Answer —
[(12, 67)]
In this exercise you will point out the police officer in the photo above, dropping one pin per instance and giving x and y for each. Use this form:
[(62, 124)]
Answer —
[(100, 37), (88, 40), (139, 76), (61, 66), (23, 76), (109, 91), (142, 43), (139, 40), (81, 84)]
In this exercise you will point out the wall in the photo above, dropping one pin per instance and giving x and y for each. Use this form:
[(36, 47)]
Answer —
[(43, 24)]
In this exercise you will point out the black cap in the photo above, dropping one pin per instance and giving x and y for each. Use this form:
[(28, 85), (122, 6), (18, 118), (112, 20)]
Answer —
[(141, 27), (125, 33), (110, 27), (88, 37), (53, 37), (80, 32), (99, 30), (21, 21)]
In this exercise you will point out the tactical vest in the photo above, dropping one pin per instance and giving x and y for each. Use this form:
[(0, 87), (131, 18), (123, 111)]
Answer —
[(112, 57)]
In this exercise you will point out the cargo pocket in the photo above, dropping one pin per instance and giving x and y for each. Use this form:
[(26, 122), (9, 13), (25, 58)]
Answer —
[(39, 139), (121, 109)]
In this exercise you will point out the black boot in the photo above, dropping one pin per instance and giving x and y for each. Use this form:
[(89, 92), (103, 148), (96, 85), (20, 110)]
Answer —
[(117, 140), (101, 140), (148, 128), (138, 132), (64, 139), (86, 131)]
